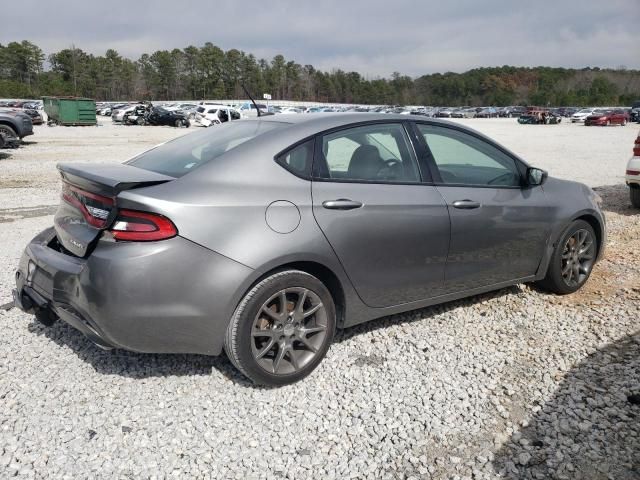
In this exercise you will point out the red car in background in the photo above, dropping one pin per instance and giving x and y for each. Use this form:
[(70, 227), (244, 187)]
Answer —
[(608, 117)]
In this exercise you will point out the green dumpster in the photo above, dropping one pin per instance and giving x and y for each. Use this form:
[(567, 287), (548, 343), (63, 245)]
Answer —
[(70, 110)]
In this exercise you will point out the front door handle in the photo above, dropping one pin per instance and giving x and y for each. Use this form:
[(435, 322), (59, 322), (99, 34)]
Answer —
[(466, 204), (341, 204)]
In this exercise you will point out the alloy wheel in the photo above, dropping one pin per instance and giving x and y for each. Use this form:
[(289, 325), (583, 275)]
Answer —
[(288, 331), (578, 255)]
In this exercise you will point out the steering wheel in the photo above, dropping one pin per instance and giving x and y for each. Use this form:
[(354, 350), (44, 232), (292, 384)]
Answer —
[(504, 176)]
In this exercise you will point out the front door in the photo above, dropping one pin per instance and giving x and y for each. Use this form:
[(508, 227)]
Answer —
[(499, 227), (389, 231)]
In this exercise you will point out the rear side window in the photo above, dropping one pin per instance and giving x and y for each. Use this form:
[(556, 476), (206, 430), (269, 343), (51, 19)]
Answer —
[(378, 153), (186, 153), (298, 159)]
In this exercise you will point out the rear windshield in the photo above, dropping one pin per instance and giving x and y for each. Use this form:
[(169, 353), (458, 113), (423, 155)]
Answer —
[(186, 153)]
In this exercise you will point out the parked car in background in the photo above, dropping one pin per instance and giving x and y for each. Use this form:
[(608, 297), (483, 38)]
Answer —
[(512, 111), (539, 116), (287, 110), (248, 109), (607, 117), (36, 117), (581, 115), (486, 112), (445, 112), (634, 116), (183, 107), (162, 116), (227, 239), (207, 115), (108, 109), (632, 174), (136, 115), (117, 115), (15, 123)]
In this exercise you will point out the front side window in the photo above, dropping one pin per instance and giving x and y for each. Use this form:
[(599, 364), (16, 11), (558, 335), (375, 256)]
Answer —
[(463, 159), (371, 153)]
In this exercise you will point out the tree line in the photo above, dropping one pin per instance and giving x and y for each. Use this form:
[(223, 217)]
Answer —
[(208, 72)]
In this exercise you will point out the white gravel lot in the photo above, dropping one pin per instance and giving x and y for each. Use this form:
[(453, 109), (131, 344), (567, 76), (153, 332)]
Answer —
[(513, 384)]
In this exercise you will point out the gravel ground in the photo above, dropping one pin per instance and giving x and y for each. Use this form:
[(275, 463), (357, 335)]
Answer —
[(513, 384)]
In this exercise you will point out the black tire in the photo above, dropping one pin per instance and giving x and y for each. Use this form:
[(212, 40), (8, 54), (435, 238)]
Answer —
[(8, 131), (179, 123), (555, 281), (241, 343), (634, 195)]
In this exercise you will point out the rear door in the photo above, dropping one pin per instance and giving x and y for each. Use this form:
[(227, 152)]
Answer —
[(389, 230), (499, 228)]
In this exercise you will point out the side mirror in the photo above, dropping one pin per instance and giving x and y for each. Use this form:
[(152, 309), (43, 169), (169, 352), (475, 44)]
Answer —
[(536, 176)]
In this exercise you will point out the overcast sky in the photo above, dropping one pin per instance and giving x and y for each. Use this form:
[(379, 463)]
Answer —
[(374, 37)]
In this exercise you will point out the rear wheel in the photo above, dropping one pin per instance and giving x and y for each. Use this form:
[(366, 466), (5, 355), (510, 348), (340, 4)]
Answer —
[(634, 194), (572, 259), (179, 123), (282, 328)]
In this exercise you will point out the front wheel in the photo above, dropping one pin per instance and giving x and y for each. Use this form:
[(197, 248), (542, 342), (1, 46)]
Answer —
[(572, 259), (8, 131), (282, 328)]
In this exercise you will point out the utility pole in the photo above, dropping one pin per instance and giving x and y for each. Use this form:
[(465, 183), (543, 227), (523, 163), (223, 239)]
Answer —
[(73, 63)]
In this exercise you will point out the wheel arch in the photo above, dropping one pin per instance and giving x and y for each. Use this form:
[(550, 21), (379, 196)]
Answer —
[(13, 126), (598, 228), (589, 217), (323, 273)]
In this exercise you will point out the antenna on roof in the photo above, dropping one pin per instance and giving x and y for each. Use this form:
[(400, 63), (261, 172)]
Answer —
[(258, 111)]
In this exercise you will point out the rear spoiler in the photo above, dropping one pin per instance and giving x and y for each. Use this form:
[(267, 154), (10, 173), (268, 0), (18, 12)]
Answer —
[(109, 179)]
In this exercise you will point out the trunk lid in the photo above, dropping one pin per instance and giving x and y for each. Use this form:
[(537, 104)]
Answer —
[(88, 204)]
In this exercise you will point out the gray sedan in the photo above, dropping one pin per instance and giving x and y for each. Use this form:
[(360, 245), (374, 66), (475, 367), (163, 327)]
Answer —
[(261, 237)]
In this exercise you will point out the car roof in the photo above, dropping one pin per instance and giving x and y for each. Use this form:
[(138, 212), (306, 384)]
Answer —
[(326, 121)]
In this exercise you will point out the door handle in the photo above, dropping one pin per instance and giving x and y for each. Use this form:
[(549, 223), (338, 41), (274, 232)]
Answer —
[(341, 204), (466, 204)]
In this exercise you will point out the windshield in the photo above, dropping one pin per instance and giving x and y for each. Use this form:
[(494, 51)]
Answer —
[(186, 153)]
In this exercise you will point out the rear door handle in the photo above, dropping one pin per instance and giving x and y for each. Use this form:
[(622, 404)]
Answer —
[(341, 204), (466, 204)]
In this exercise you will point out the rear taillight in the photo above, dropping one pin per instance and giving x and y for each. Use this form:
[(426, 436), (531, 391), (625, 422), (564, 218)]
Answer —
[(633, 172), (134, 226), (94, 208)]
